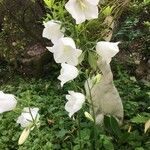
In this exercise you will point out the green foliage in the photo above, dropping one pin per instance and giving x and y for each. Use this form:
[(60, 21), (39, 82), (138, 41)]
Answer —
[(136, 101), (38, 94), (133, 28), (107, 11), (58, 131), (112, 126), (146, 2), (49, 3), (139, 119), (106, 142)]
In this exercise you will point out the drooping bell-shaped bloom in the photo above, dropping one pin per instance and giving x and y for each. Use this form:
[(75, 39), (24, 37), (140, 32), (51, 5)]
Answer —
[(7, 102), (107, 50), (82, 10), (75, 102), (53, 31), (65, 51), (28, 116), (67, 73)]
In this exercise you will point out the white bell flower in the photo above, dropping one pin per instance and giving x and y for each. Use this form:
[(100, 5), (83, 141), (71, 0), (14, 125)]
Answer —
[(65, 51), (75, 102), (28, 117), (7, 102), (82, 10), (67, 73), (53, 31), (107, 50)]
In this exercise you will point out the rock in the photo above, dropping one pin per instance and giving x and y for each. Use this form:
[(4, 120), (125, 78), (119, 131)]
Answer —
[(34, 60), (105, 97)]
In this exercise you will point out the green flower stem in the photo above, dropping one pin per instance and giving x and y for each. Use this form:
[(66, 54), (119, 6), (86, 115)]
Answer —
[(79, 132), (93, 114), (78, 119)]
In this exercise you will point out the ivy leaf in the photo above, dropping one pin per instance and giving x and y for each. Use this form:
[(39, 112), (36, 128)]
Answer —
[(62, 133), (139, 119), (106, 142), (85, 134)]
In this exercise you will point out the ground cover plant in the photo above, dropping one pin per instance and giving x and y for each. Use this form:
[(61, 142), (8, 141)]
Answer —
[(57, 131), (82, 109)]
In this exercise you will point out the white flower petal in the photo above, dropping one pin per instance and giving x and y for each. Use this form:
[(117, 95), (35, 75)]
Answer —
[(65, 51), (67, 73), (82, 10), (74, 103), (25, 119), (68, 42), (79, 52), (71, 93), (50, 49), (68, 97), (93, 2), (53, 31), (7, 102), (91, 12), (74, 8), (107, 50)]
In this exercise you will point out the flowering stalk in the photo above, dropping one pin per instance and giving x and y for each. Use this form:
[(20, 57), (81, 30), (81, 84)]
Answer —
[(68, 55), (91, 101), (93, 114), (78, 119), (79, 132)]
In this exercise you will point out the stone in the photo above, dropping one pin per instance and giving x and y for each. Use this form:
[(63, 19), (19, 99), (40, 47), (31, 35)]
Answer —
[(34, 60)]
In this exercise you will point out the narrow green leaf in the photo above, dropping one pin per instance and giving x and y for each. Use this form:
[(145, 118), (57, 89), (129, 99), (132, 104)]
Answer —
[(49, 3)]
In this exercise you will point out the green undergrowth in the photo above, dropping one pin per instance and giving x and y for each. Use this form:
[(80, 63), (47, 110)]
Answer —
[(57, 131)]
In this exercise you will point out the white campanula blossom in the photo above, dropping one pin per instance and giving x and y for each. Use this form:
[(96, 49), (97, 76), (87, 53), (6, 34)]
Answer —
[(28, 117), (65, 51), (107, 50), (67, 73), (82, 10), (7, 102), (75, 102), (53, 31)]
